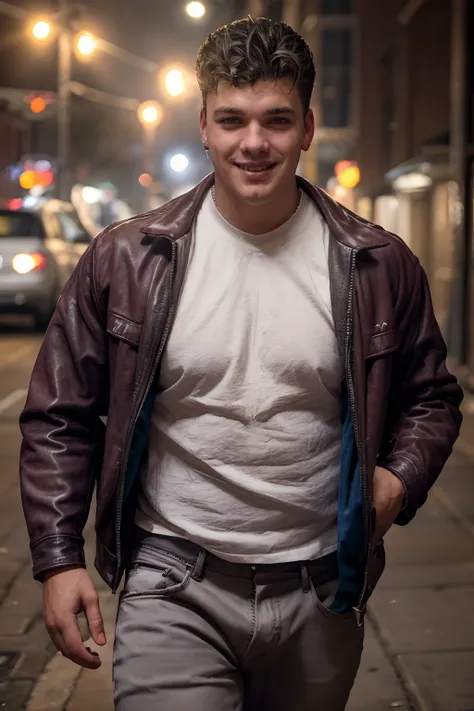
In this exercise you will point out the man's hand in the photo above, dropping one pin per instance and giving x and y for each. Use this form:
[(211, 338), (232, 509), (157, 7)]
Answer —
[(68, 592), (387, 500)]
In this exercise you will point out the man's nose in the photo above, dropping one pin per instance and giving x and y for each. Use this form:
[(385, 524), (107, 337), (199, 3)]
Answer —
[(254, 141)]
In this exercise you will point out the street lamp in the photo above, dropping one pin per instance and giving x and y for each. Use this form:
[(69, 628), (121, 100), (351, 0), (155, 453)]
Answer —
[(179, 162), (174, 82), (86, 44), (150, 115), (41, 30), (196, 10)]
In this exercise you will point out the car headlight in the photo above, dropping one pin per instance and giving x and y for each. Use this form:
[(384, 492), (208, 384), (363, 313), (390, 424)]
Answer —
[(26, 263)]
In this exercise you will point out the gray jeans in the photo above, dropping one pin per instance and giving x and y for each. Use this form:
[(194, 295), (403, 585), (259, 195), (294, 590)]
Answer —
[(195, 633)]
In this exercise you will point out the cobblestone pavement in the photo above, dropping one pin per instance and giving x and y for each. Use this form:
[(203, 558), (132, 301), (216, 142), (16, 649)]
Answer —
[(419, 649)]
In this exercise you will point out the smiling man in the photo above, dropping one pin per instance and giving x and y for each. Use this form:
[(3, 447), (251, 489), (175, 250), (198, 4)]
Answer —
[(276, 395)]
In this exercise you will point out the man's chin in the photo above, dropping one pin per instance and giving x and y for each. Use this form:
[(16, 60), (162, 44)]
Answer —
[(256, 194)]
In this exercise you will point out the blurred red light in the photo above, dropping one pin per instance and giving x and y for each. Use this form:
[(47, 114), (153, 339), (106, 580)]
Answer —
[(44, 178), (37, 105)]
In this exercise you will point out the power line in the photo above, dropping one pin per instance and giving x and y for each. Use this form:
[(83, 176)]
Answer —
[(108, 47), (13, 11), (103, 97)]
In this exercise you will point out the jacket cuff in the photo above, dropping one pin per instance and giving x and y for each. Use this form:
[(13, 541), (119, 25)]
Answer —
[(414, 484), (56, 551)]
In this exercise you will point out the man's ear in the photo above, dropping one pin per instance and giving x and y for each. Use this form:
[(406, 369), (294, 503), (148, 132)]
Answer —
[(203, 126), (308, 130)]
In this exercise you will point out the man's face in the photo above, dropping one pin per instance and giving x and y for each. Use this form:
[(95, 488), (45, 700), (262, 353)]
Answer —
[(255, 134)]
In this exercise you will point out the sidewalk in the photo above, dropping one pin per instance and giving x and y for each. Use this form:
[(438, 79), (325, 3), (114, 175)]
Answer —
[(419, 649)]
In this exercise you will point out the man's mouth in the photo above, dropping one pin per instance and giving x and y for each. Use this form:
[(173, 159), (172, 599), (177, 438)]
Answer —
[(255, 167)]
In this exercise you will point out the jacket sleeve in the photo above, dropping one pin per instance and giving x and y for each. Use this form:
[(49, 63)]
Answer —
[(423, 411), (62, 433)]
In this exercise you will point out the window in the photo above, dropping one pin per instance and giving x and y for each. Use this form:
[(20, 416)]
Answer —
[(19, 224), (336, 78), (337, 48), (275, 9), (336, 7), (336, 97)]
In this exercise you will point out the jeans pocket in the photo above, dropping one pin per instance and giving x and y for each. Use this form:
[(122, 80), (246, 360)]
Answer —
[(155, 573), (323, 595)]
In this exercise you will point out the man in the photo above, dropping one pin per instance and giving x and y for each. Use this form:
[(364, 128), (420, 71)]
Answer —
[(276, 395)]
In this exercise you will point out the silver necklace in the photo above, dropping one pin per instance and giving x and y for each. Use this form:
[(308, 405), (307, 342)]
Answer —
[(213, 193)]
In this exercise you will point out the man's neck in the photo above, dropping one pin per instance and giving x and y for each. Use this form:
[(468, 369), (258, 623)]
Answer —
[(257, 219)]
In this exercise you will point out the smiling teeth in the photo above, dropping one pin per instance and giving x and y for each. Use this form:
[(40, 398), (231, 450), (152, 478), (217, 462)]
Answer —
[(255, 170)]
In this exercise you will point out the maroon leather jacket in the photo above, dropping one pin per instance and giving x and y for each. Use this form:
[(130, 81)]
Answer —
[(101, 357)]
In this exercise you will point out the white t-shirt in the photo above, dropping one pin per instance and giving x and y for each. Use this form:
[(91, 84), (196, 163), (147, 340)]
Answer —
[(245, 438)]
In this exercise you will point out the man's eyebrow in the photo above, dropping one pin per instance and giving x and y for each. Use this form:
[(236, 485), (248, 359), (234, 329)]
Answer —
[(281, 110), (227, 110), (276, 111)]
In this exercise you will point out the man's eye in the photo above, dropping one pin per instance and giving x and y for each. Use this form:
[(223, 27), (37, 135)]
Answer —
[(279, 120), (230, 120)]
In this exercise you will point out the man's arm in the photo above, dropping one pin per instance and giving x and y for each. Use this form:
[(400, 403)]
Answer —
[(423, 410), (61, 453), (63, 434)]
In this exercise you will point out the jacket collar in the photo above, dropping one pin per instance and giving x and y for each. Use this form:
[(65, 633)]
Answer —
[(175, 218)]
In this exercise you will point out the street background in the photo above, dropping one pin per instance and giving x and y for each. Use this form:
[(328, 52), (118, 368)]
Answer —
[(98, 121)]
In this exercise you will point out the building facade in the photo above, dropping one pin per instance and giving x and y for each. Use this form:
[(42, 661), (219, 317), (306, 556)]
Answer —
[(415, 144)]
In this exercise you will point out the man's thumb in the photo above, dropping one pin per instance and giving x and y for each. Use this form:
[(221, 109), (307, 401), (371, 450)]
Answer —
[(94, 620)]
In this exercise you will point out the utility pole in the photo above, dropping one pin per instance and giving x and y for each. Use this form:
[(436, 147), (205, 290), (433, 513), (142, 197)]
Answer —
[(64, 101)]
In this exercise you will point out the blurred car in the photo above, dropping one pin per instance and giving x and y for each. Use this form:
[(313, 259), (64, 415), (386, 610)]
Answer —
[(39, 250)]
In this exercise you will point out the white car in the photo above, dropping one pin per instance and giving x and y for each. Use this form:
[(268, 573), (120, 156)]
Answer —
[(39, 250)]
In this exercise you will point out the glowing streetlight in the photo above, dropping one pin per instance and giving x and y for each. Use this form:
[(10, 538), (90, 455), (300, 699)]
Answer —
[(41, 30), (179, 162), (150, 113), (174, 82), (86, 44), (196, 10)]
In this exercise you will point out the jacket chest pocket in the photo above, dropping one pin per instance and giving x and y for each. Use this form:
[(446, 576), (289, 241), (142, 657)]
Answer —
[(381, 344), (124, 340), (124, 329)]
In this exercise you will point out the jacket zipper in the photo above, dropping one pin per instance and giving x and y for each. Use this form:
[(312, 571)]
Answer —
[(360, 449), (133, 421)]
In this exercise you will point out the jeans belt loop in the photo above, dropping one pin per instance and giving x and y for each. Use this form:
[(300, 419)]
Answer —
[(305, 578), (198, 569)]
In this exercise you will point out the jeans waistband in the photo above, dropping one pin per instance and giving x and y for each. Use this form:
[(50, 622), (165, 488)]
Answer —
[(323, 569)]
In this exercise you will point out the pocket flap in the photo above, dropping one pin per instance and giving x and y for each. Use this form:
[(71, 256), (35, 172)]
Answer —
[(382, 343), (123, 328)]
